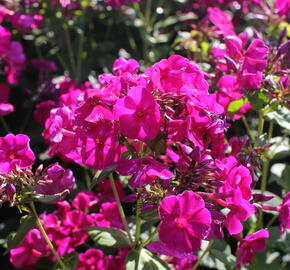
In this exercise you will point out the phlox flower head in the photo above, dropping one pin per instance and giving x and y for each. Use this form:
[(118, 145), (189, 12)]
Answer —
[(143, 170), (93, 259), (122, 65), (253, 242), (31, 249), (184, 221), (85, 201), (15, 152), (56, 180), (138, 114), (172, 74)]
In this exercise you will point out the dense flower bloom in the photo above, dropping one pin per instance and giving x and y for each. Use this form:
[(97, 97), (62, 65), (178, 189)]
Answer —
[(85, 201), (138, 114), (92, 259), (253, 242), (56, 180), (122, 65), (100, 147), (31, 249), (15, 152), (172, 74), (183, 227), (237, 186), (144, 170)]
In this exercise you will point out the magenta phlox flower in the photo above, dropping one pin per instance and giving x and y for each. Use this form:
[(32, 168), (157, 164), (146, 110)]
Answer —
[(74, 225), (93, 259), (110, 212), (250, 244), (122, 65), (138, 114), (237, 184), (31, 249), (15, 152), (100, 147), (143, 170), (56, 180), (221, 20), (85, 201), (182, 227), (170, 75)]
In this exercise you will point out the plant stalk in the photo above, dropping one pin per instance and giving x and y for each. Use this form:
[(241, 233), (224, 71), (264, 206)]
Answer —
[(202, 255), (120, 208), (45, 236)]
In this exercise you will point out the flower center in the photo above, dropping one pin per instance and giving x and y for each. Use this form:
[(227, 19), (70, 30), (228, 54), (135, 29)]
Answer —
[(140, 114), (181, 223), (11, 156)]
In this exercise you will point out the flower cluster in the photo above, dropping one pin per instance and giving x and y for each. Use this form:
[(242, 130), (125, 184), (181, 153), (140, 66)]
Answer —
[(153, 150), (67, 229)]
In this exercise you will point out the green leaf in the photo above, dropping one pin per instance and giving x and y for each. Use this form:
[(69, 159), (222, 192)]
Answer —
[(227, 259), (279, 148), (173, 20), (280, 116), (109, 237), (103, 175), (235, 105), (144, 260), (259, 99), (27, 223), (149, 214), (43, 198), (71, 260), (43, 264), (285, 179)]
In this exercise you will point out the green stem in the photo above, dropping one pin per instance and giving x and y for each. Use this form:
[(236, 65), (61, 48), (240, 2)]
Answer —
[(69, 50), (272, 220), (79, 58), (248, 128), (4, 124), (265, 170), (138, 222), (150, 238), (202, 255), (270, 132), (43, 232), (261, 123), (87, 178), (148, 15), (120, 208)]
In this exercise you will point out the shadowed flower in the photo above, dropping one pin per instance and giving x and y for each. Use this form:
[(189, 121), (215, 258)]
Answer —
[(253, 242)]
